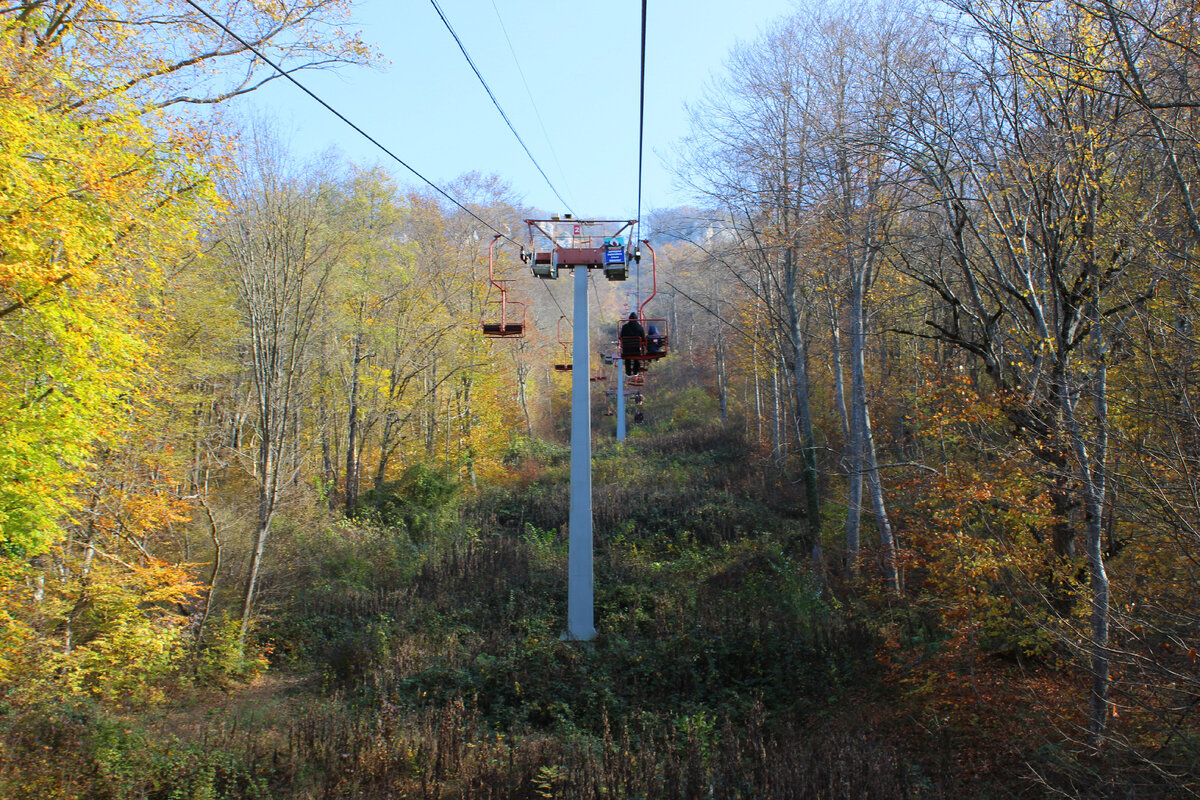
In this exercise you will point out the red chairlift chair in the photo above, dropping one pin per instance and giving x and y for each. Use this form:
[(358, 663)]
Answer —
[(566, 364), (503, 317), (650, 347), (654, 343)]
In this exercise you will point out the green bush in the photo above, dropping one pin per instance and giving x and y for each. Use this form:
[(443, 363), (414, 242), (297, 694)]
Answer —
[(421, 501), (694, 408), (548, 454), (222, 659)]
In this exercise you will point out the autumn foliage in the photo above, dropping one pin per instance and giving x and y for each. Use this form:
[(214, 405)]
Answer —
[(909, 511)]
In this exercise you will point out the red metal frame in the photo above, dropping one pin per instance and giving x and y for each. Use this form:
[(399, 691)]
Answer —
[(565, 367), (587, 256), (647, 348), (505, 327)]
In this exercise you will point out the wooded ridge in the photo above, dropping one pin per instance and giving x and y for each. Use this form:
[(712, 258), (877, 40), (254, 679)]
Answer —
[(911, 508)]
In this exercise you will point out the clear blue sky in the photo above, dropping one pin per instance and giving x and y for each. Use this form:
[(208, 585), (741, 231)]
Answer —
[(581, 64)]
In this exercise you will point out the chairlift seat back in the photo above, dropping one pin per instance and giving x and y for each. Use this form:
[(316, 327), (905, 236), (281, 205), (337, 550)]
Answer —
[(544, 265)]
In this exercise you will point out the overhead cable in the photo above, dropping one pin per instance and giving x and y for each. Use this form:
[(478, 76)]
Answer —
[(595, 294), (641, 138), (284, 73), (528, 91), (496, 102), (555, 299), (641, 117)]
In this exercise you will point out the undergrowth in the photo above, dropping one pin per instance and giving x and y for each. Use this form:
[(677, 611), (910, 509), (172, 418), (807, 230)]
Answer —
[(417, 652)]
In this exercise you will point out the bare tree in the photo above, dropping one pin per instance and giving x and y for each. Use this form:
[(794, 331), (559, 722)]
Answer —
[(1021, 173), (747, 150), (167, 54), (280, 260), (851, 113)]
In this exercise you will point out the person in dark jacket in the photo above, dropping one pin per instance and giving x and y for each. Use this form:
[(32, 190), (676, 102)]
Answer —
[(654, 342), (632, 336)]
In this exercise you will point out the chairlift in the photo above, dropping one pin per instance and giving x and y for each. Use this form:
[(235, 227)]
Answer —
[(609, 252), (503, 317), (566, 364), (652, 344), (544, 264)]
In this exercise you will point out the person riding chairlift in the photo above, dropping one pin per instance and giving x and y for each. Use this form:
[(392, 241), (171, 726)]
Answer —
[(654, 342), (632, 335)]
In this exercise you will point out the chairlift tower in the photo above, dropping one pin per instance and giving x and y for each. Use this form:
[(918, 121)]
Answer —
[(620, 400), (580, 245)]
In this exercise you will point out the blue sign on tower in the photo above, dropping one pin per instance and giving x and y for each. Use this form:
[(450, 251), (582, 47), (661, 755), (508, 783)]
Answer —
[(614, 255)]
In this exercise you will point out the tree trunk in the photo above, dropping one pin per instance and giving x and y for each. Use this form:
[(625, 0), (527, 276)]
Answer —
[(431, 421), (468, 423), (522, 396), (352, 468), (260, 541), (854, 465), (861, 425), (855, 461), (800, 391), (891, 572), (1093, 476), (267, 493), (722, 388), (214, 532), (329, 473), (758, 400), (835, 357)]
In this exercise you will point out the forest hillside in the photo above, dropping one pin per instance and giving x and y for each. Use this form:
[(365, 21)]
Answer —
[(909, 506)]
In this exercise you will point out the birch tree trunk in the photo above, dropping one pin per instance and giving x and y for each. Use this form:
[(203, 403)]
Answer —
[(722, 387), (352, 457), (864, 462), (808, 453), (280, 265), (1091, 470)]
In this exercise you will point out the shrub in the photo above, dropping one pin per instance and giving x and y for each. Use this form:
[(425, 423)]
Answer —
[(222, 659), (548, 454), (421, 501), (694, 408)]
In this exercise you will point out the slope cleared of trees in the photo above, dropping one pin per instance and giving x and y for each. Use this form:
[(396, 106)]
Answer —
[(909, 510)]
